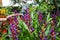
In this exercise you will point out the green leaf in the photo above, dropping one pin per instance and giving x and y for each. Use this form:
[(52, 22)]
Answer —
[(25, 26), (57, 38), (49, 18), (47, 30), (22, 24)]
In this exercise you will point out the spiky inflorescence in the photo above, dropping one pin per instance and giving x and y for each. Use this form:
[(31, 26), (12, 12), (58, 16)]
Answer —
[(40, 17), (13, 27), (53, 34), (27, 18), (53, 24)]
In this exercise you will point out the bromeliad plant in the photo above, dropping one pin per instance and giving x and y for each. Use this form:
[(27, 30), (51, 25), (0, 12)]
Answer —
[(38, 23), (42, 25)]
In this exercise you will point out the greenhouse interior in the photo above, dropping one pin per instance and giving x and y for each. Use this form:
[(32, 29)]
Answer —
[(29, 19)]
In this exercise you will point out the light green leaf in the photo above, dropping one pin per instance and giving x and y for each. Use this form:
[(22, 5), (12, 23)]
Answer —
[(48, 30)]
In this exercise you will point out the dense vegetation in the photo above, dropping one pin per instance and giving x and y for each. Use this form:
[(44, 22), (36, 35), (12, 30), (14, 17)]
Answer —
[(40, 22)]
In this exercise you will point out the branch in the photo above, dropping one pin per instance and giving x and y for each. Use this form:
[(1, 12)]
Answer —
[(5, 19)]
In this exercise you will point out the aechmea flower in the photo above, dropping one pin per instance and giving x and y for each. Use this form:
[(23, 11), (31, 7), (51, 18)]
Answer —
[(52, 33), (45, 38), (13, 26), (52, 30), (13, 29), (15, 20), (27, 15), (27, 18), (54, 21), (40, 16), (15, 17), (32, 30), (54, 16), (10, 20), (16, 38)]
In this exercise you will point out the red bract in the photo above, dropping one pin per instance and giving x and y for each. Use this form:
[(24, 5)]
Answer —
[(27, 19), (13, 27), (53, 34), (54, 16), (4, 31), (10, 20), (32, 30), (40, 17)]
